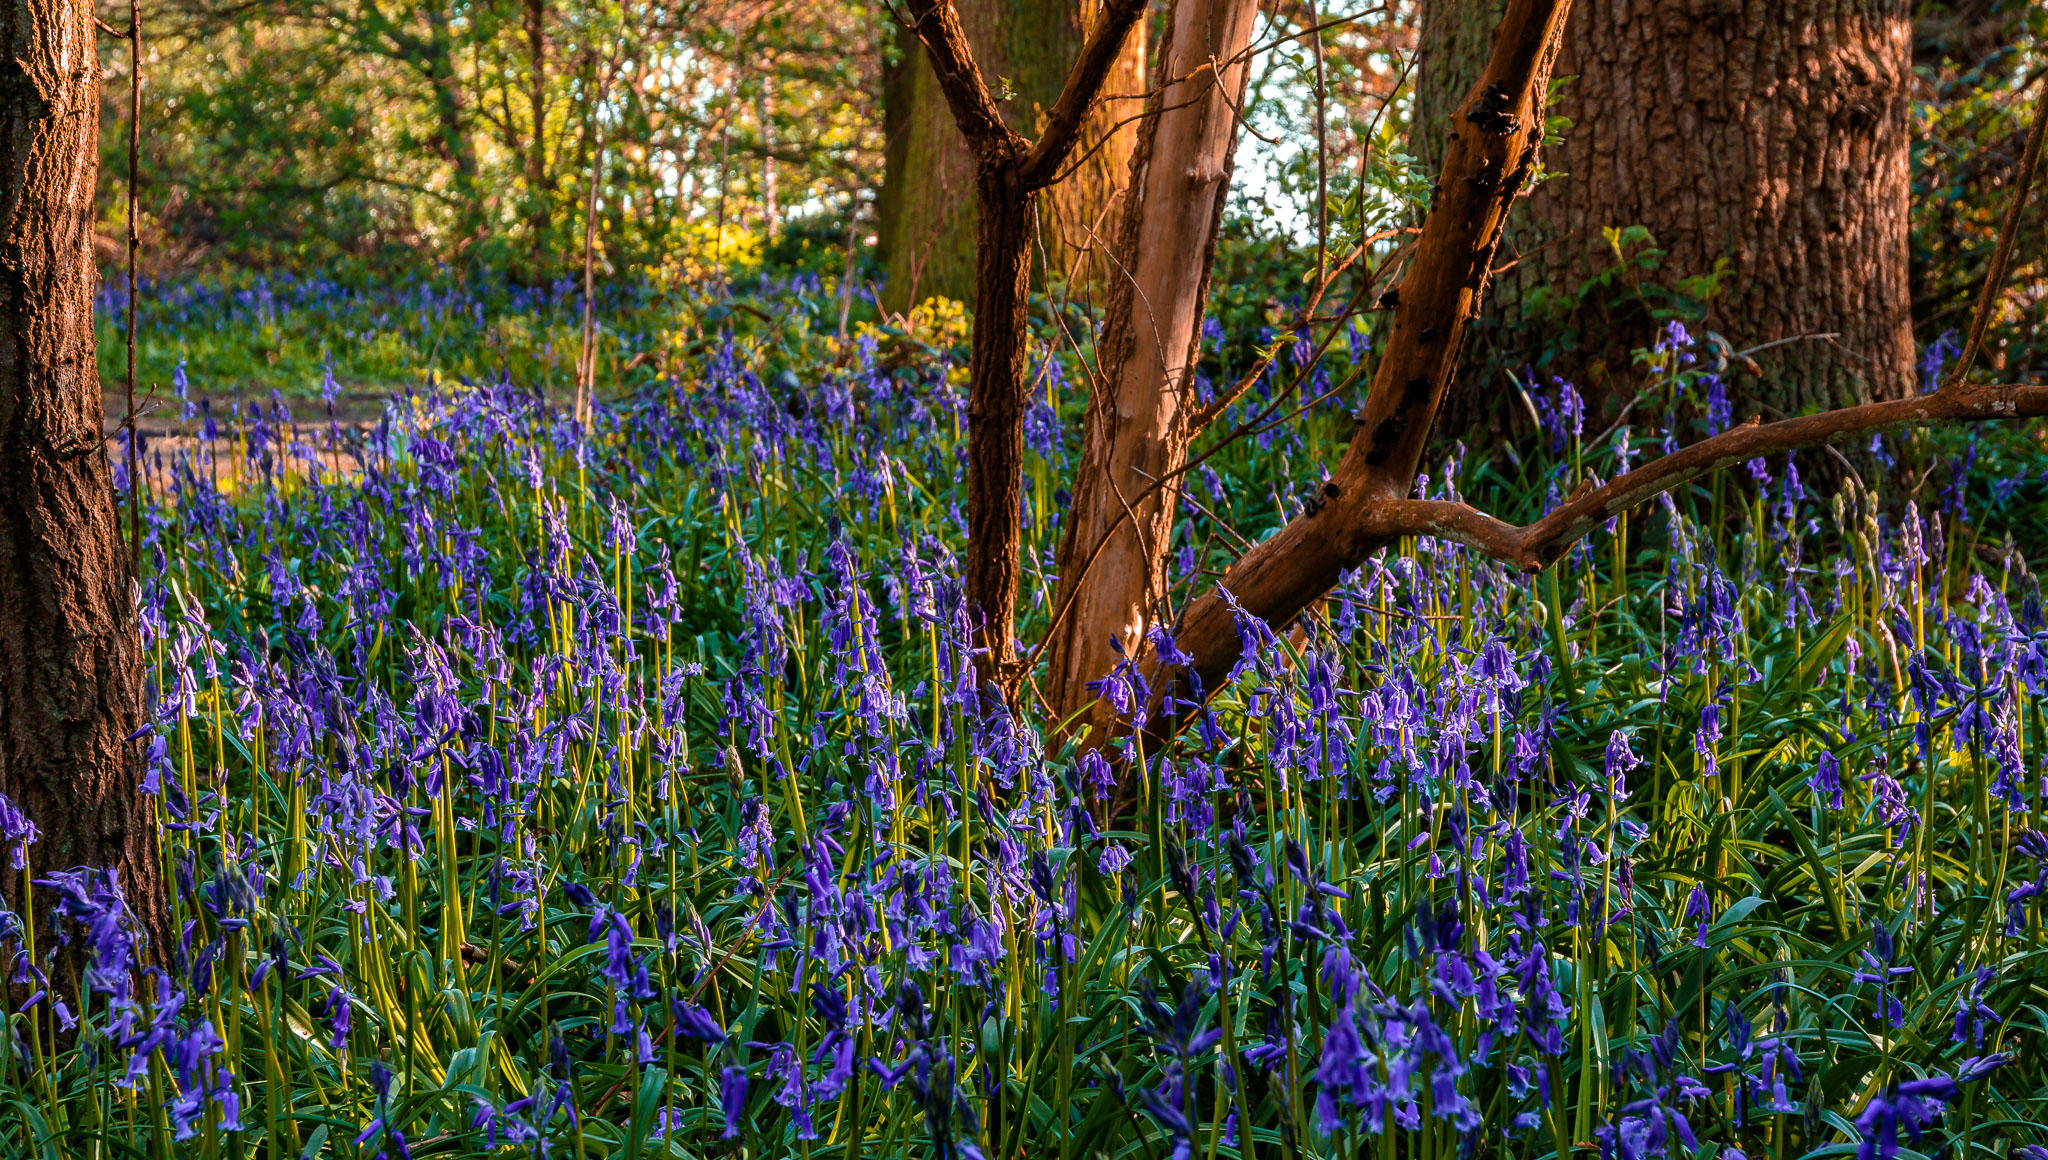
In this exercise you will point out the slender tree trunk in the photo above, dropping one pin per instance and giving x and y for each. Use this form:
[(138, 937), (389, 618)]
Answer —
[(926, 211), (586, 354), (1141, 417), (1011, 172), (70, 666), (1766, 138), (997, 398), (537, 190), (771, 209)]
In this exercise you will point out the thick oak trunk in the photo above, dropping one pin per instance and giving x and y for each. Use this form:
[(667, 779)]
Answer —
[(1767, 134), (70, 666), (1141, 417), (926, 212)]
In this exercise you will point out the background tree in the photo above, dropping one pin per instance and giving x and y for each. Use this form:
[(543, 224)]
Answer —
[(1762, 145), (70, 671), (926, 209)]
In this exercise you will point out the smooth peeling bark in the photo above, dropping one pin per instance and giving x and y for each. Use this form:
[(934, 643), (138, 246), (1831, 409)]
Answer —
[(70, 656), (1487, 159), (1141, 417)]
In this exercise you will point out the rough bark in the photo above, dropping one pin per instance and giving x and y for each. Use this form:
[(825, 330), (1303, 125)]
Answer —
[(1141, 416), (926, 211), (1771, 134), (70, 665), (1010, 172), (997, 400)]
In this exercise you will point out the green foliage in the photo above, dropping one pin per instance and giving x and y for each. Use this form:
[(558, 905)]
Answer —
[(1977, 67), (618, 688), (297, 135)]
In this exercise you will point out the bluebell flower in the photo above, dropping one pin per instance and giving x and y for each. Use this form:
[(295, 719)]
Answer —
[(732, 1097), (1910, 1106), (1826, 782)]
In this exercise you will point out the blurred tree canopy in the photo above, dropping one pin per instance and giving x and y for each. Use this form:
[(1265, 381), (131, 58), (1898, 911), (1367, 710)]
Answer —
[(737, 133), (311, 132)]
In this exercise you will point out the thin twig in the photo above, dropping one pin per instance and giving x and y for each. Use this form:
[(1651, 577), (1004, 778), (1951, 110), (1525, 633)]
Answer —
[(2001, 256), (134, 249)]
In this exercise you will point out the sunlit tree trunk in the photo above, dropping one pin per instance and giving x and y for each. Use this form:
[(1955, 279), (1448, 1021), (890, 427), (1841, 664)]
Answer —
[(1142, 417), (450, 116), (70, 666), (537, 190), (1769, 135), (926, 209)]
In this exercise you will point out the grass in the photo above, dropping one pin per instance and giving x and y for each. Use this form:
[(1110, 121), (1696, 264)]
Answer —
[(625, 792)]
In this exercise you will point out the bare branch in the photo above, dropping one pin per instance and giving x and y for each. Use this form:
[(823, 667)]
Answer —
[(2001, 254), (1542, 543), (1083, 84), (1551, 535), (1460, 523)]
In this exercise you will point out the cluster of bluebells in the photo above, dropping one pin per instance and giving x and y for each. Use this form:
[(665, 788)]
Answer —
[(660, 746)]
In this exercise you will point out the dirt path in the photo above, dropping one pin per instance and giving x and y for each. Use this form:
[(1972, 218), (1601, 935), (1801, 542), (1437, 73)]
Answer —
[(161, 417)]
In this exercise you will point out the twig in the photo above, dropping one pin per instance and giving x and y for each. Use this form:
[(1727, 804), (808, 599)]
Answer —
[(2001, 256)]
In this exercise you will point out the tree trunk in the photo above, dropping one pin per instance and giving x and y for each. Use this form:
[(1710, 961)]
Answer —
[(70, 664), (1141, 419), (537, 191), (1771, 134), (1486, 161), (771, 210), (926, 210), (998, 394), (1011, 172)]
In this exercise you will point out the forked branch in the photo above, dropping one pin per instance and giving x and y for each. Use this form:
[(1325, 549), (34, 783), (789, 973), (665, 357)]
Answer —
[(974, 108), (937, 24), (1083, 85)]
